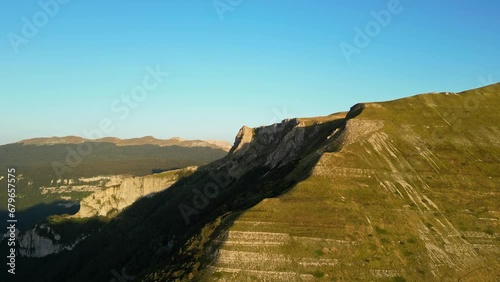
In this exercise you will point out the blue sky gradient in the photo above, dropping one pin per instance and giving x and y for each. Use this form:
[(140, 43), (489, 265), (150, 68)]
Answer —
[(255, 63)]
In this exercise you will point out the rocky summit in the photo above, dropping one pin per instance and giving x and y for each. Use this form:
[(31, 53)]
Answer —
[(405, 190)]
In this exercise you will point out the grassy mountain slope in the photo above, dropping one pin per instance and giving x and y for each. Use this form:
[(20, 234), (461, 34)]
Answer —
[(393, 191), (413, 195)]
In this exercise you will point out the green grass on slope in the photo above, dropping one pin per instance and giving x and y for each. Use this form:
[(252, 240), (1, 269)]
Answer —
[(417, 200)]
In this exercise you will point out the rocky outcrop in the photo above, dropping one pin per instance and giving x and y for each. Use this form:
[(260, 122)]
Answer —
[(112, 200), (281, 143), (42, 241)]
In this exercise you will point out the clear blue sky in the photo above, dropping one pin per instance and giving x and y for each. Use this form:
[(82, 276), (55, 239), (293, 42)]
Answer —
[(260, 62)]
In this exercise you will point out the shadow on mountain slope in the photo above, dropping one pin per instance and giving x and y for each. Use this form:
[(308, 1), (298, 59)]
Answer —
[(26, 218), (164, 237)]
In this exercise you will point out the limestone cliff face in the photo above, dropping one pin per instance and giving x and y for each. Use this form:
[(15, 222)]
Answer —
[(280, 143), (42, 241), (112, 200)]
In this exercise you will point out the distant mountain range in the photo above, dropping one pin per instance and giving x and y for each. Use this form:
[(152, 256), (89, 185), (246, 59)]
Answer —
[(52, 174), (146, 140)]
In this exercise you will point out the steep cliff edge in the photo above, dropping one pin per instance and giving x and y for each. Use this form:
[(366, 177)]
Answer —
[(111, 201), (42, 240)]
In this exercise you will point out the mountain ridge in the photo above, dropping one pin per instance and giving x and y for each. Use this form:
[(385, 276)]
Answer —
[(146, 140)]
